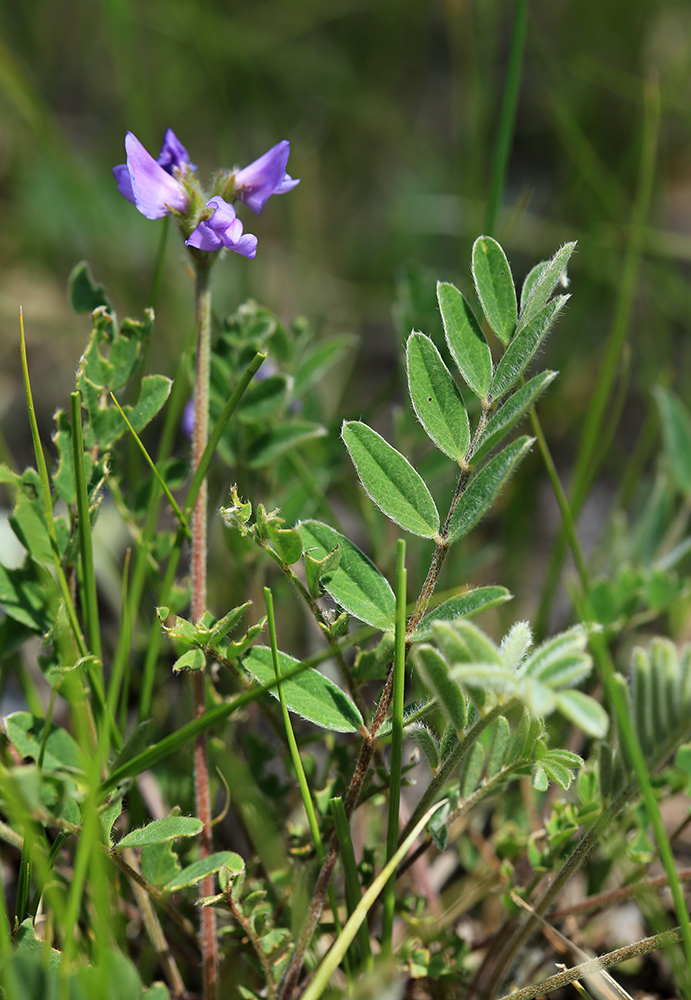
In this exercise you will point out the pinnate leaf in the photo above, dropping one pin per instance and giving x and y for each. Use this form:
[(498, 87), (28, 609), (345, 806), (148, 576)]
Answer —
[(485, 487), (390, 480), (355, 583), (494, 286), (436, 400), (465, 339)]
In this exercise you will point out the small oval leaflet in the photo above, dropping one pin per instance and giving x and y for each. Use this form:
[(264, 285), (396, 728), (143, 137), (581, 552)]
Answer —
[(204, 867), (390, 480), (356, 584), (311, 695), (494, 287), (461, 606), (435, 397), (485, 486), (465, 339), (161, 830)]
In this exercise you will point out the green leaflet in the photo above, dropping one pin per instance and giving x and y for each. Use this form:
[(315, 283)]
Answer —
[(25, 733), (485, 486), (584, 712), (465, 339), (501, 738), (161, 830), (522, 348), (428, 744), (204, 867), (390, 480), (355, 584), (541, 283), (85, 294), (508, 415), (435, 397), (105, 425), (676, 434), (462, 606), (310, 695), (494, 287), (159, 863), (435, 673)]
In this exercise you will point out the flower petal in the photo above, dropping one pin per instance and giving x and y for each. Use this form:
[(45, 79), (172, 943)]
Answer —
[(246, 246), (173, 154), (155, 191), (224, 213), (287, 184), (122, 176), (256, 183), (204, 238)]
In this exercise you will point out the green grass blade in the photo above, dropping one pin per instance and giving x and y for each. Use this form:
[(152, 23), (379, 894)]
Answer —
[(344, 940), (152, 465), (396, 746), (47, 497), (90, 598), (353, 890), (507, 117), (290, 735)]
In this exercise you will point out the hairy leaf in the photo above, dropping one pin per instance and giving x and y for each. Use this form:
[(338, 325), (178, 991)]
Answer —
[(509, 414), (541, 282), (523, 347), (355, 584), (462, 606), (494, 286), (204, 867), (310, 695), (485, 486), (160, 831), (465, 339), (435, 673), (436, 400), (390, 480), (676, 434)]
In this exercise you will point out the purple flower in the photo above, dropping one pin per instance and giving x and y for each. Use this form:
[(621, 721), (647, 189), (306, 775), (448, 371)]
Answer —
[(153, 186), (222, 229), (255, 184)]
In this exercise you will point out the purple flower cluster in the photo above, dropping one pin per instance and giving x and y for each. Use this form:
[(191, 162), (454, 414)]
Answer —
[(163, 186)]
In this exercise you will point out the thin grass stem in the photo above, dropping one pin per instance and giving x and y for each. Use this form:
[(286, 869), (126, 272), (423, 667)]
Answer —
[(389, 903), (507, 117), (90, 597)]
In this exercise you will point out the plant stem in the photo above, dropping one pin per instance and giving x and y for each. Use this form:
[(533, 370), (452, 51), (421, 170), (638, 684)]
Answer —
[(202, 793), (642, 947)]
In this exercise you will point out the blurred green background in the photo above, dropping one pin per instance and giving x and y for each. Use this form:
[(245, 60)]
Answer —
[(392, 109)]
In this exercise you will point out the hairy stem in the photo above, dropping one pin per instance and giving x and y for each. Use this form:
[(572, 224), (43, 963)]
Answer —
[(199, 553)]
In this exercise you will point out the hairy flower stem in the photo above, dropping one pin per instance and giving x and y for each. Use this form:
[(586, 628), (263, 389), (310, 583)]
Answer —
[(199, 551)]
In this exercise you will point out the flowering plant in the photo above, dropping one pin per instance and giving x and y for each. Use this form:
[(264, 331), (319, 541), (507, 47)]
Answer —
[(168, 185)]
